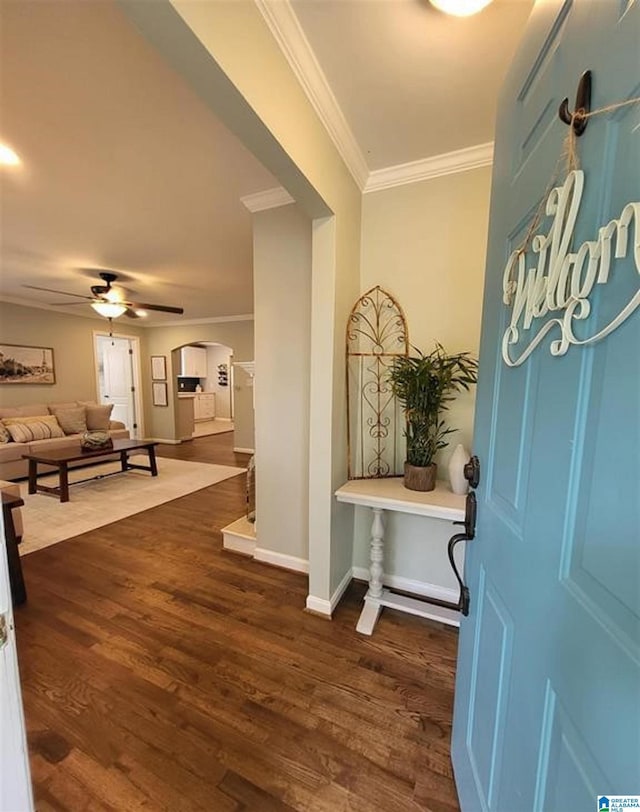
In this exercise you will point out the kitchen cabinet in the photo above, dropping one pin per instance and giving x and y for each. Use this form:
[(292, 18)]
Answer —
[(193, 362), (204, 406)]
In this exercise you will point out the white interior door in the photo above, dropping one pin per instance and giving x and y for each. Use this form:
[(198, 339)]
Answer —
[(116, 378), (15, 781)]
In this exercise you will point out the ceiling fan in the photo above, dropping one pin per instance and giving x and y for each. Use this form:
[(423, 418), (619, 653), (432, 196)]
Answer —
[(108, 301)]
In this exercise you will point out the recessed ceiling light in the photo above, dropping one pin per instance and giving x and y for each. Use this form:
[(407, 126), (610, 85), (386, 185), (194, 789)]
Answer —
[(460, 8), (7, 156)]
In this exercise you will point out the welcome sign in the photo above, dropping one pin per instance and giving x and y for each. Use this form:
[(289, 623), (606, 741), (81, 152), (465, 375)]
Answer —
[(554, 292)]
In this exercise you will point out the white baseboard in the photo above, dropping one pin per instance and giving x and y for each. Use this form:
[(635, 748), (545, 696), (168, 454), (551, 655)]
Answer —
[(165, 441), (287, 562), (341, 589), (326, 607), (244, 450), (319, 606), (237, 544), (409, 585), (241, 537)]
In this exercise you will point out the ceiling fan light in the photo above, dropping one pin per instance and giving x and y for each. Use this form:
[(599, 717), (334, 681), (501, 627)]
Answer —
[(114, 295), (8, 157), (110, 310), (460, 8)]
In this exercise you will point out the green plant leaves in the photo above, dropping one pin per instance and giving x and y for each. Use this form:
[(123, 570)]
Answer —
[(425, 385)]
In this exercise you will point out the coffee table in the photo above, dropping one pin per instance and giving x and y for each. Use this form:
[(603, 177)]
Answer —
[(61, 458)]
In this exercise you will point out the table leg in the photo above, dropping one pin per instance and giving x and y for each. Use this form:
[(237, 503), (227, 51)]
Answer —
[(372, 607), (64, 482), (16, 579), (33, 476), (124, 461), (152, 461)]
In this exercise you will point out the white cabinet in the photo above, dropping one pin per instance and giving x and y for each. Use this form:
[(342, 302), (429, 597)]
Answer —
[(204, 406), (193, 362)]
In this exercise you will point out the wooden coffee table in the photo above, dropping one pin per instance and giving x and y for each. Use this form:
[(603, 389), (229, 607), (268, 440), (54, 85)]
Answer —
[(61, 458)]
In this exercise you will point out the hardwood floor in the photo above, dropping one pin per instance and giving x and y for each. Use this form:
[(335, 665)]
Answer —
[(161, 673)]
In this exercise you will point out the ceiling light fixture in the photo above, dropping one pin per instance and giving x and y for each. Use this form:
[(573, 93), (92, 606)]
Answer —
[(110, 310), (8, 157), (460, 8)]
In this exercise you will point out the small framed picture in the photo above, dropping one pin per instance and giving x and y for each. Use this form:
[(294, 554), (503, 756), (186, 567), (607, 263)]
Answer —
[(160, 395), (158, 368)]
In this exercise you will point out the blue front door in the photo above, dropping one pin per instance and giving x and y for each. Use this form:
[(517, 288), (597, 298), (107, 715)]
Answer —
[(547, 712)]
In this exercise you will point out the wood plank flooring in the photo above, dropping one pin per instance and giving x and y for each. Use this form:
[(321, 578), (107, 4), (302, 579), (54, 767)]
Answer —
[(161, 673)]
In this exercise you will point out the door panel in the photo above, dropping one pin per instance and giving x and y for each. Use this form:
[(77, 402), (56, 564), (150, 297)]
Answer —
[(489, 683), (116, 378), (550, 653)]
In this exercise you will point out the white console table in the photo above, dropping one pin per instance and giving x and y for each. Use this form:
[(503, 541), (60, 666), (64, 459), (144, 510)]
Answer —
[(390, 494)]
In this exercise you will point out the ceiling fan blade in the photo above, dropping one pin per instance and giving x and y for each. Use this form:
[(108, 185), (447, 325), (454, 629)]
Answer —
[(131, 313), (160, 308), (69, 304), (60, 292)]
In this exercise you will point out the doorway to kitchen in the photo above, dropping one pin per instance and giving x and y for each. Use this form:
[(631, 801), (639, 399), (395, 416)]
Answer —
[(205, 382), (117, 360)]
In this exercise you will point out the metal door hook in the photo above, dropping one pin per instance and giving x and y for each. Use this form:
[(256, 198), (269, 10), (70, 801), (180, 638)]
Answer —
[(583, 106)]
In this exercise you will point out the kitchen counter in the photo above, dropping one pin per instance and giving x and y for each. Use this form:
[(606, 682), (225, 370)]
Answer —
[(187, 394)]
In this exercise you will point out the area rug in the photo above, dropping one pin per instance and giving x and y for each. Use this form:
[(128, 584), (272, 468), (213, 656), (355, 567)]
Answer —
[(98, 502)]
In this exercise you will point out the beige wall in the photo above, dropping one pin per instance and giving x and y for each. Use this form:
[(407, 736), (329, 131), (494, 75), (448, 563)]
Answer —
[(282, 290), (426, 243), (72, 340), (238, 335)]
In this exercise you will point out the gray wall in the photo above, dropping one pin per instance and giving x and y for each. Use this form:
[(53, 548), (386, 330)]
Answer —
[(282, 304)]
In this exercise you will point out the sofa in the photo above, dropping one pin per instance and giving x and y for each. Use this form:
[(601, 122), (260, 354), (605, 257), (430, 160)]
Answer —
[(61, 425)]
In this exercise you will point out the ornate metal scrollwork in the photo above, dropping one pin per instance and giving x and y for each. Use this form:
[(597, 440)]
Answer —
[(376, 334)]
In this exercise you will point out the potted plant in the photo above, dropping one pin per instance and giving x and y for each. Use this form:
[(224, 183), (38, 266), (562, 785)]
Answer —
[(425, 385)]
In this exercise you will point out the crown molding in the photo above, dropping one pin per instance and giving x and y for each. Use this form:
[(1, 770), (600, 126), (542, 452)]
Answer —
[(139, 323), (269, 199), (449, 163), (288, 33), (14, 300), (190, 322)]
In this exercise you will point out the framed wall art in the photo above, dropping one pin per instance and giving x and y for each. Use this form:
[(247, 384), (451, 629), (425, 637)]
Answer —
[(158, 368), (160, 395), (22, 364)]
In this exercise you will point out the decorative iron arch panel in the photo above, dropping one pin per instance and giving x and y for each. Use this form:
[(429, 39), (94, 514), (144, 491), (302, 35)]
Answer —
[(376, 334)]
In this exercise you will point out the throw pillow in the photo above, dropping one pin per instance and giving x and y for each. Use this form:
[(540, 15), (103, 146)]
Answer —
[(98, 417), (27, 429), (5, 437), (70, 404), (73, 421)]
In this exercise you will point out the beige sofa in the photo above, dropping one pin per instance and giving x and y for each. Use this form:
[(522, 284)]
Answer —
[(12, 466)]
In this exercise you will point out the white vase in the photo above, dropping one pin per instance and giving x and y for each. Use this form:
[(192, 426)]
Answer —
[(459, 459)]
